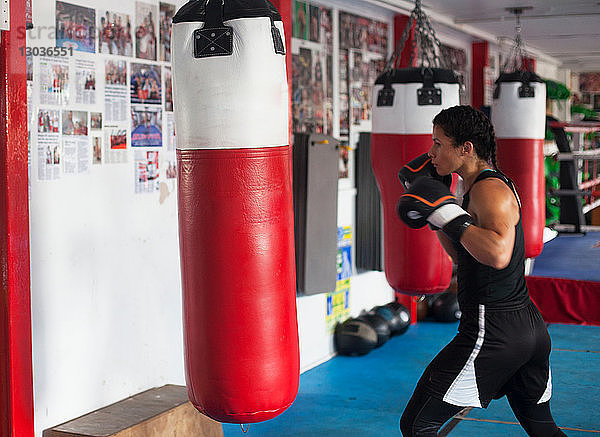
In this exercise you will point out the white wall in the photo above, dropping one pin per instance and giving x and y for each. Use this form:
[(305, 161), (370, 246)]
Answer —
[(105, 284)]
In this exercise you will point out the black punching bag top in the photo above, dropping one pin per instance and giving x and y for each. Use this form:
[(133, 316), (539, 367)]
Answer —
[(195, 10)]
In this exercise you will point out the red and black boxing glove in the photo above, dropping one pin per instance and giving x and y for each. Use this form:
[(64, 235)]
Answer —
[(429, 201), (420, 167)]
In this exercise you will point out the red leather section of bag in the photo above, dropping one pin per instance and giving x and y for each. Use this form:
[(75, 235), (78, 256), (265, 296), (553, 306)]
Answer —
[(522, 160), (236, 231), (414, 260)]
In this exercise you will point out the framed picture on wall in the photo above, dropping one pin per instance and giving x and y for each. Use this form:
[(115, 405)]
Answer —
[(596, 102), (75, 27), (586, 98)]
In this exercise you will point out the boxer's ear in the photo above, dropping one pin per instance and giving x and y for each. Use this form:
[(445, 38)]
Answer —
[(466, 148)]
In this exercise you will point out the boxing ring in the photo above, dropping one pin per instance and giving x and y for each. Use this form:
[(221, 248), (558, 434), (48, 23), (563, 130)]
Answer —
[(565, 280)]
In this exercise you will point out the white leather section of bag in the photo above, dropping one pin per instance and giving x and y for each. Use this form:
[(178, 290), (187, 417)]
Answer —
[(236, 101), (515, 117), (406, 116)]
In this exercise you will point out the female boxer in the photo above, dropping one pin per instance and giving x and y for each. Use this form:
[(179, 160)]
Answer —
[(502, 346)]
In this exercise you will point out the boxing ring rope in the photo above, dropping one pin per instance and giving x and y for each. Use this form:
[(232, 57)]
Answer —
[(585, 154)]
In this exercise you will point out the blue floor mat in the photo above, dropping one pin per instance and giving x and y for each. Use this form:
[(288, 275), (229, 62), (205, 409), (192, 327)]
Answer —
[(365, 396)]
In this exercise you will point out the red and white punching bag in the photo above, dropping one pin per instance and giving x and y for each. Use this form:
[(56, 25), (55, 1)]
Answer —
[(405, 103), (519, 119), (236, 224)]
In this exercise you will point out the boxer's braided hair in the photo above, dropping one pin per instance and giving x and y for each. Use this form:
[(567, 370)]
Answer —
[(465, 123)]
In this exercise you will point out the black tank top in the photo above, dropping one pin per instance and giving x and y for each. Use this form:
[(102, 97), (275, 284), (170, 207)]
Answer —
[(503, 289)]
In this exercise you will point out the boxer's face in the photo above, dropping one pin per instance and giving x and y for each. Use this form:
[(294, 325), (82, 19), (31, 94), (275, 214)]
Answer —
[(444, 155)]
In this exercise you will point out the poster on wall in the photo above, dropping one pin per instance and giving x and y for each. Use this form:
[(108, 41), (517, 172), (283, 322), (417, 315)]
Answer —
[(343, 93), (85, 81), (363, 34), (317, 91), (74, 123), (145, 86), (76, 155), (75, 27), (169, 122), (338, 302), (96, 136), (115, 145), (29, 60), (457, 61), (329, 95), (311, 110), (115, 91), (589, 82), (114, 33), (300, 20), (145, 30), (312, 23), (171, 166), (75, 142), (312, 70), (168, 89), (54, 81), (167, 11), (146, 126), (344, 160), (48, 146), (95, 120), (302, 109), (363, 52), (96, 149), (48, 121), (589, 87), (326, 25), (146, 171), (364, 69)]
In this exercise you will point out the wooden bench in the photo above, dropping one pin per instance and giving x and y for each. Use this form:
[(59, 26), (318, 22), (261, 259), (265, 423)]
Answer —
[(159, 412)]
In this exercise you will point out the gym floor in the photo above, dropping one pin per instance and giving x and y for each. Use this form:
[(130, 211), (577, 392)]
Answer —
[(365, 396)]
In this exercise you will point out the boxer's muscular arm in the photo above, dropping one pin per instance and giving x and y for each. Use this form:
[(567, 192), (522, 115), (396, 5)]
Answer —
[(495, 212), (447, 245)]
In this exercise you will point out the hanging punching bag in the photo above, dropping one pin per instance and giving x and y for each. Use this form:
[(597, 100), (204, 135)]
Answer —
[(235, 209), (405, 102), (519, 119)]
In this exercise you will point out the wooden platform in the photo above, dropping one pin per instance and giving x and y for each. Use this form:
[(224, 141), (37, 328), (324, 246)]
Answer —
[(159, 412)]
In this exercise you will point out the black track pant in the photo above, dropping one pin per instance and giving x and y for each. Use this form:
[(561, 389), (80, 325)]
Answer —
[(424, 416)]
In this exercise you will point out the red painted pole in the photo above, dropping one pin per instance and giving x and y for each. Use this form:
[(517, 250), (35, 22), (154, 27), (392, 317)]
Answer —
[(478, 64), (400, 23), (529, 63), (16, 376)]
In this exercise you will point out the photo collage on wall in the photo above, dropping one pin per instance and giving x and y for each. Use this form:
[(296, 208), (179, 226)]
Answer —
[(312, 69), (457, 61), (82, 125), (363, 55)]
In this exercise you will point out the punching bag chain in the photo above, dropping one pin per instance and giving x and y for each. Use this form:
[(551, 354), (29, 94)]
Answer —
[(425, 46), (514, 61)]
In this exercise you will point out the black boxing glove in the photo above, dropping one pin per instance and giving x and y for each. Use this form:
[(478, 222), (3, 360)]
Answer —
[(420, 167), (429, 201)]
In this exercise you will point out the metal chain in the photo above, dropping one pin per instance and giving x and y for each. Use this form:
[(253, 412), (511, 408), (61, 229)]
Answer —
[(425, 46), (514, 62)]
